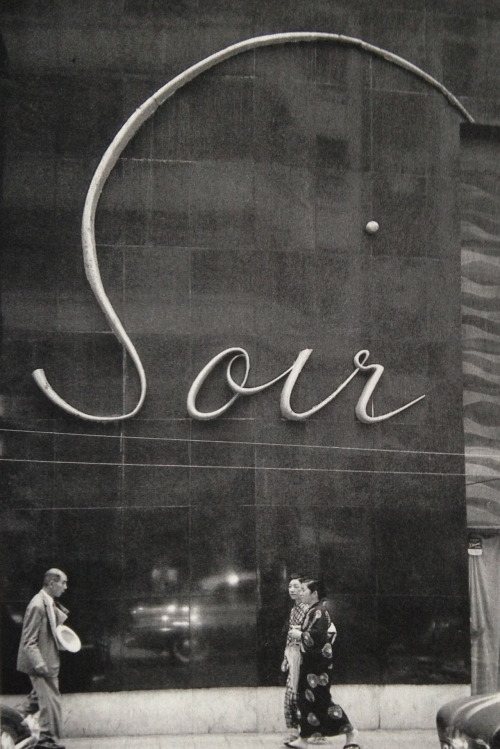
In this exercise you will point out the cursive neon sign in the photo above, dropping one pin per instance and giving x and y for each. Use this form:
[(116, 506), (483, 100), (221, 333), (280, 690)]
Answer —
[(104, 169), (291, 374)]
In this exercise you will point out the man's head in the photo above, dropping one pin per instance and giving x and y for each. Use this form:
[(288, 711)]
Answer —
[(55, 582)]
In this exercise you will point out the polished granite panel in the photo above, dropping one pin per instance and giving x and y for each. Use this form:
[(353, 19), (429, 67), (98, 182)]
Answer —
[(223, 290), (221, 204), (156, 442), (403, 132), (30, 445), (340, 285), (86, 485), (31, 184), (157, 281), (276, 17), (19, 553), (339, 540), (236, 218), (155, 485), (224, 273), (315, 437), (414, 203), (88, 112), (85, 554), (227, 554), (284, 208), (288, 285), (356, 656), (406, 303), (464, 49), (226, 454), (225, 429), (84, 369), (77, 307), (156, 550), (285, 128), (424, 639), (21, 402), (173, 11), (220, 127), (401, 30), (296, 488), (28, 485), (29, 225), (87, 448), (276, 457), (82, 45), (224, 484), (401, 565), (340, 199), (35, 130), (170, 185), (223, 631), (125, 204), (136, 89), (166, 360)]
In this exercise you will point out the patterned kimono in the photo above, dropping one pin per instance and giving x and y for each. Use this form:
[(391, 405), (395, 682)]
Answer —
[(319, 715), (291, 663)]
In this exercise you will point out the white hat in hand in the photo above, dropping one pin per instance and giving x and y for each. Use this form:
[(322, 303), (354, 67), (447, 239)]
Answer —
[(68, 639)]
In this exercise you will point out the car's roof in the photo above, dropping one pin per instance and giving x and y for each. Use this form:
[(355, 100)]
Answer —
[(478, 715)]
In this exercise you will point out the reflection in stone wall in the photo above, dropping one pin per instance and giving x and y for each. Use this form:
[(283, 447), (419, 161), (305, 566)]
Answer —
[(235, 218)]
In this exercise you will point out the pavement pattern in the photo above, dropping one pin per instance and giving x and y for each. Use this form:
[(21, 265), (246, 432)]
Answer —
[(415, 739)]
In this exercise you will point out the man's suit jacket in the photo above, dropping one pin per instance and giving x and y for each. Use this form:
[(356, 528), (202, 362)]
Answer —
[(39, 646)]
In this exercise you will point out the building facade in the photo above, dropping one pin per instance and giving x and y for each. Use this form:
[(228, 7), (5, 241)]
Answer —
[(258, 347)]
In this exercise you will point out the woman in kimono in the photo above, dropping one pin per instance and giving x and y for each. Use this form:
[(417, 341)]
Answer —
[(292, 657), (319, 715)]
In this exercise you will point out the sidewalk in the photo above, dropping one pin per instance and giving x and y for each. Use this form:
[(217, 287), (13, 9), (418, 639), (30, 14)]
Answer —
[(416, 739)]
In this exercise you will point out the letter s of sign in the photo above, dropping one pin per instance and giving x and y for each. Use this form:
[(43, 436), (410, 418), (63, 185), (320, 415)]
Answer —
[(125, 135)]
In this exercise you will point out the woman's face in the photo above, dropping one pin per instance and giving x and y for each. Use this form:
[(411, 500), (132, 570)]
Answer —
[(295, 590), (308, 597)]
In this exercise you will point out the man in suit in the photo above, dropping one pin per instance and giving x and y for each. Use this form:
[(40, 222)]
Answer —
[(38, 655)]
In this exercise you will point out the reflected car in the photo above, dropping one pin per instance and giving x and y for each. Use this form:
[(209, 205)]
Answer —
[(470, 722), (182, 628), (166, 627)]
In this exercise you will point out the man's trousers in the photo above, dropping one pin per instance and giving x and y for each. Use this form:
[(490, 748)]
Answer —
[(49, 701)]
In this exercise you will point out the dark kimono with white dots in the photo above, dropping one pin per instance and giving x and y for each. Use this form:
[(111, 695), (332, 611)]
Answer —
[(319, 715)]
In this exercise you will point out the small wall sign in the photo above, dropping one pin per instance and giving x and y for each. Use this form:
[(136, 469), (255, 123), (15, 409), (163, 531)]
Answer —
[(475, 546)]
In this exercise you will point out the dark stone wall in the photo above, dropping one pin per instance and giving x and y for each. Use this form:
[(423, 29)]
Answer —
[(236, 218)]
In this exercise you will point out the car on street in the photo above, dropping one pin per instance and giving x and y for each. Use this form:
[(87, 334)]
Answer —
[(470, 722)]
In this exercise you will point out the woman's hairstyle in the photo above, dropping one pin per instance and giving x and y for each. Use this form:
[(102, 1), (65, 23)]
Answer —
[(316, 585), (297, 576)]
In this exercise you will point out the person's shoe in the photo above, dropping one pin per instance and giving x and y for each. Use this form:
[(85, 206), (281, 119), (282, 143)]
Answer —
[(48, 742), (351, 739)]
